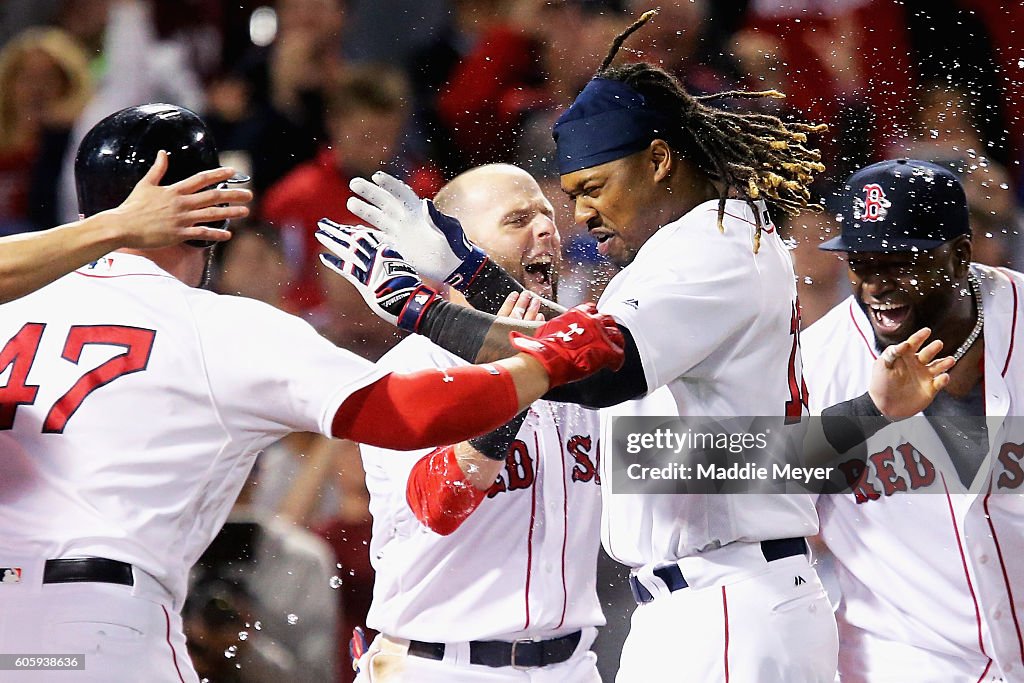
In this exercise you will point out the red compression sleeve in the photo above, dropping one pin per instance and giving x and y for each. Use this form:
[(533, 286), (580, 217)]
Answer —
[(427, 408), (439, 494)]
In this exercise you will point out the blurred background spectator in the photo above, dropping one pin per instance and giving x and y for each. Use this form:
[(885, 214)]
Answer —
[(44, 85), (306, 94), (287, 576), (365, 115), (223, 640)]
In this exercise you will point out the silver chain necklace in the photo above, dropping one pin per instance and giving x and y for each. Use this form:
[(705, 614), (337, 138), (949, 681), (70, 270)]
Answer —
[(976, 332)]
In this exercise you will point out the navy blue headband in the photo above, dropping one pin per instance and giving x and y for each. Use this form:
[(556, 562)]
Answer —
[(609, 120)]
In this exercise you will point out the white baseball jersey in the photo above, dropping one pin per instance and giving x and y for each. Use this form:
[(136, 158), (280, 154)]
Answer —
[(922, 563), (133, 405), (522, 565), (716, 326)]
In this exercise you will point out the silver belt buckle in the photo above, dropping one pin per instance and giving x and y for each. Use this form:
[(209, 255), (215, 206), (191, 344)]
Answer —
[(515, 645)]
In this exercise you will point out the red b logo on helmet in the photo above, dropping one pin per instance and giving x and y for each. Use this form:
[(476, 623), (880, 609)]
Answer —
[(874, 206)]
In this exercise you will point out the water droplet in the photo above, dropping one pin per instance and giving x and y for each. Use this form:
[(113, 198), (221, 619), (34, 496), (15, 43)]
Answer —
[(243, 635), (231, 652), (293, 619), (258, 626), (335, 582)]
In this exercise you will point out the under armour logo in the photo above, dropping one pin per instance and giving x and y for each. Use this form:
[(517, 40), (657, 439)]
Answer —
[(568, 334), (799, 580)]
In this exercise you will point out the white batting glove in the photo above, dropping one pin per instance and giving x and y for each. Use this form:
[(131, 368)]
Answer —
[(434, 243), (389, 285)]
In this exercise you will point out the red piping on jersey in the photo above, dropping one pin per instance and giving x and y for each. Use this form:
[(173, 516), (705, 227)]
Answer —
[(1013, 325), (963, 560), (565, 524), (174, 656), (871, 349), (1002, 565), (983, 673), (725, 614), (529, 537)]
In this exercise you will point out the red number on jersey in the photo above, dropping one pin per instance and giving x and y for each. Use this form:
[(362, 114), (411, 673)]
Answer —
[(797, 390), (20, 352), (137, 342)]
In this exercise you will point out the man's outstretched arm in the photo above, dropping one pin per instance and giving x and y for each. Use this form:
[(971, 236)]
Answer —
[(152, 216), (431, 407)]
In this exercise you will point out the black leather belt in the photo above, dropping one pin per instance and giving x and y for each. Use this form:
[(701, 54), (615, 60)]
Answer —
[(673, 576), (519, 654), (88, 569)]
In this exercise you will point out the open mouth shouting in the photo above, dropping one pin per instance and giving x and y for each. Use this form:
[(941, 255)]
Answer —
[(888, 318), (538, 273)]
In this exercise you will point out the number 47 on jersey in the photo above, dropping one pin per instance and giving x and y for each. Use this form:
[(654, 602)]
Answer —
[(19, 354)]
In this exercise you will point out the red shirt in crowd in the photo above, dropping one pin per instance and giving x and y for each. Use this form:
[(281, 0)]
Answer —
[(309, 192)]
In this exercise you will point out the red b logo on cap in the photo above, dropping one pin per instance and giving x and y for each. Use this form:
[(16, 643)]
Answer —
[(875, 203)]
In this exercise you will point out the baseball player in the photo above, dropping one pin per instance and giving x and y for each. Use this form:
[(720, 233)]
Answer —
[(481, 596), (932, 585), (133, 404), (151, 216), (707, 305)]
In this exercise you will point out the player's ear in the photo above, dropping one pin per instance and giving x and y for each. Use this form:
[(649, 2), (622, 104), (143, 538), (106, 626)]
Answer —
[(661, 159), (962, 252)]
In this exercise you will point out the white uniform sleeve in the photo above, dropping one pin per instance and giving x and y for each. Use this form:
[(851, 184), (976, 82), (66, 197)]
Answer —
[(279, 375), (679, 313)]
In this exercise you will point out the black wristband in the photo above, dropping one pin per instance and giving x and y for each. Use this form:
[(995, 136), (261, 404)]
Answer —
[(495, 444), (455, 328), (851, 423), (491, 286)]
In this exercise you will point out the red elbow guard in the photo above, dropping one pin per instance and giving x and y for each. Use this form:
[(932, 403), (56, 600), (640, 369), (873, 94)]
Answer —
[(439, 494)]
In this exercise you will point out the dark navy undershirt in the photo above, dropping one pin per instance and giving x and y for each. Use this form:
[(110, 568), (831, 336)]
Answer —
[(960, 424)]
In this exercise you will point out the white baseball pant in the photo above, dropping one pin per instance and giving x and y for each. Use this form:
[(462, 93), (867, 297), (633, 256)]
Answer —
[(772, 626), (126, 633)]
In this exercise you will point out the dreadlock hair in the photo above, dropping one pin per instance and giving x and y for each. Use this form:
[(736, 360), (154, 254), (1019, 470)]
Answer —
[(758, 155)]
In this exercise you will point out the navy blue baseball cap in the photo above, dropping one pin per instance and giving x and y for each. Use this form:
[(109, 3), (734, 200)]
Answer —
[(900, 205)]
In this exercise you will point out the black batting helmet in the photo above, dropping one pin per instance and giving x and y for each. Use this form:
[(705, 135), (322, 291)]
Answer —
[(121, 148)]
